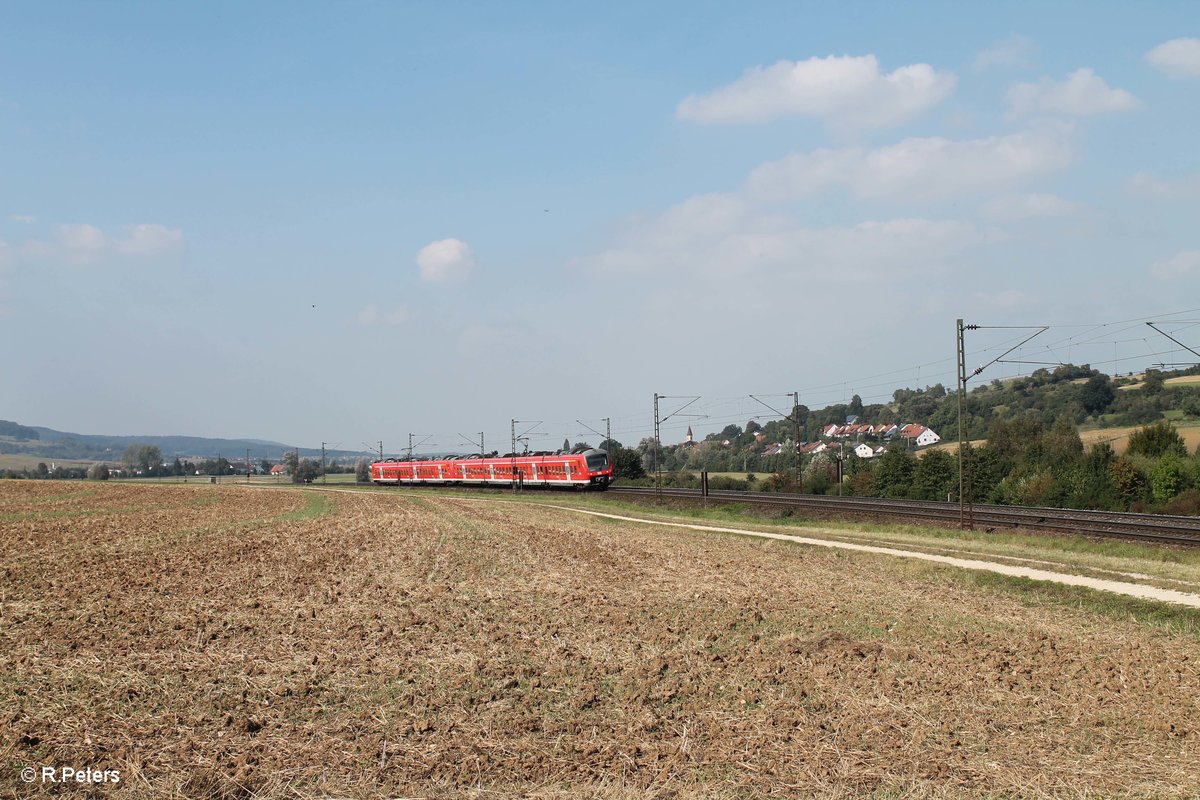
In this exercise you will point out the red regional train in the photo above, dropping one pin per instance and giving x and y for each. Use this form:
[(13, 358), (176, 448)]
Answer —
[(591, 469)]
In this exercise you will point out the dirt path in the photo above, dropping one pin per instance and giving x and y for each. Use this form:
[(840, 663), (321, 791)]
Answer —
[(1126, 588), (1117, 587)]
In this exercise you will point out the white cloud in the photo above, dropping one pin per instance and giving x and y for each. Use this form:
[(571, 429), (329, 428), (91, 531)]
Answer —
[(1178, 58), (755, 232), (148, 240), (371, 316), (772, 246), (919, 168), (1180, 265), (25, 218), (1144, 182), (83, 243), (846, 91), (445, 261), (1083, 93), (1015, 207), (1011, 53)]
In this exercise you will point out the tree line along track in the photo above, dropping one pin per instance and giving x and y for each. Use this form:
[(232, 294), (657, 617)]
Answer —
[(1147, 527)]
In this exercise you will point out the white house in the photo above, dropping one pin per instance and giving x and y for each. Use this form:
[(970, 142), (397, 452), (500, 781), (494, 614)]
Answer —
[(919, 435), (864, 451), (927, 437)]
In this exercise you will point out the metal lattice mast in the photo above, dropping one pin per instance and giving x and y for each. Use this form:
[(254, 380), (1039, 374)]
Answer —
[(965, 501)]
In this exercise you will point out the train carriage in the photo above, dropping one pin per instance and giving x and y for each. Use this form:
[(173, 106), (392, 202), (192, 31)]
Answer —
[(591, 469)]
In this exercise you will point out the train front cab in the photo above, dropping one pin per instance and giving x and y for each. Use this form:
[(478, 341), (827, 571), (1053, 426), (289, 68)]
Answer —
[(600, 469)]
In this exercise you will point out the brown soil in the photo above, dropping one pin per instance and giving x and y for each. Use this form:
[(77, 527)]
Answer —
[(206, 644)]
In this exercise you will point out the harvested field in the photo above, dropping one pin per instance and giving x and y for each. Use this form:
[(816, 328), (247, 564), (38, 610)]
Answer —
[(1118, 438), (18, 461), (222, 641)]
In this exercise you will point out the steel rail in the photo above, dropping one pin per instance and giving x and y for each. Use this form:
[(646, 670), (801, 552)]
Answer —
[(1152, 527)]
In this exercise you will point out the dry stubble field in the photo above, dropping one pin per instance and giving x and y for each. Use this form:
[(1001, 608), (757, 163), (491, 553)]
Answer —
[(221, 641)]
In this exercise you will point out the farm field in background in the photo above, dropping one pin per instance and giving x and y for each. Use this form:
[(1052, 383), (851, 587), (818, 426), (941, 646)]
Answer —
[(335, 479), (221, 641), (19, 462), (1182, 380), (1119, 437)]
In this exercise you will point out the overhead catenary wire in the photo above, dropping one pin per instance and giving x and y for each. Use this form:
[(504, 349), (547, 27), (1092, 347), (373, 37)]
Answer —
[(1109, 345)]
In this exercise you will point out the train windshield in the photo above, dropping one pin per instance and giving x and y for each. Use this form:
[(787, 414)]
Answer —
[(597, 460)]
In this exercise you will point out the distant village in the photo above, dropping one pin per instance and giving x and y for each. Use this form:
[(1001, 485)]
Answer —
[(870, 440)]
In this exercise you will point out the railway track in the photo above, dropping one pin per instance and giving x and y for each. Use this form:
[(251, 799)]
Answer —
[(1148, 527)]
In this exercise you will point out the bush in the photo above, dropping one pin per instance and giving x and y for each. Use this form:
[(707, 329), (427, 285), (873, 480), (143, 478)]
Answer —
[(893, 474), (627, 463), (1185, 503), (306, 471), (1129, 482), (780, 482), (862, 484), (1156, 440), (934, 476), (1168, 478), (724, 482)]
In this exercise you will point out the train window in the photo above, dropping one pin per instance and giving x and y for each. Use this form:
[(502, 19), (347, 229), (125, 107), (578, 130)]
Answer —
[(597, 461)]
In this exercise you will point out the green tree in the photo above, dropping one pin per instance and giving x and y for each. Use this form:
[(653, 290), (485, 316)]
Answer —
[(1061, 444), (306, 471), (1190, 404), (627, 463), (1129, 482), (893, 474), (98, 471), (1157, 440), (1153, 382), (933, 477), (1097, 394), (819, 474), (646, 450), (1089, 483), (729, 432), (1168, 478), (143, 458), (1013, 438), (362, 471)]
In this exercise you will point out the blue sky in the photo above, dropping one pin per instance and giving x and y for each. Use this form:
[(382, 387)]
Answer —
[(345, 223)]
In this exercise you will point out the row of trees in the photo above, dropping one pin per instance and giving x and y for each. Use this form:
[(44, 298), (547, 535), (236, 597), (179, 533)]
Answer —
[(1074, 395), (1025, 462)]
